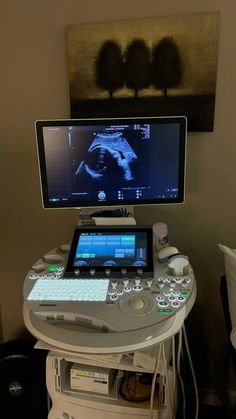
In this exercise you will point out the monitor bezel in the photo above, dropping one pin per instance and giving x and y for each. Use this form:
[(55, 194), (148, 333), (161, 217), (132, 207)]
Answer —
[(115, 270), (40, 124)]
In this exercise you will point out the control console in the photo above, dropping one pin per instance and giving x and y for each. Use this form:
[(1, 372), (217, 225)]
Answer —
[(110, 279)]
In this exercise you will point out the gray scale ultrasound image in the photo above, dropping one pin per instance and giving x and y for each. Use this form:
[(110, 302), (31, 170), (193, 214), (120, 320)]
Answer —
[(109, 157)]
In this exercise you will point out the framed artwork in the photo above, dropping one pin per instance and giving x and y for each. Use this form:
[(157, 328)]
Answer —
[(145, 67)]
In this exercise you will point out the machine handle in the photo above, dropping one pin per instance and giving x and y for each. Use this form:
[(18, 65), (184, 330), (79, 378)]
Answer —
[(76, 340)]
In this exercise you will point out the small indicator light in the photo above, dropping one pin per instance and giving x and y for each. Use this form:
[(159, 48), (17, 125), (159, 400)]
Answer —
[(52, 268)]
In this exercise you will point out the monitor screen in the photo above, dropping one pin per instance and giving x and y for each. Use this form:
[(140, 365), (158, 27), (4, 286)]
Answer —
[(111, 162)]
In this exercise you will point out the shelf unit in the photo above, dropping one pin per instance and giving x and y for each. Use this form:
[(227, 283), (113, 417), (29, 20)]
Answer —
[(70, 403)]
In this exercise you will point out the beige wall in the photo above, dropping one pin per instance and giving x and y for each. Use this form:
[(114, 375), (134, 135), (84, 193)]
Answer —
[(34, 85)]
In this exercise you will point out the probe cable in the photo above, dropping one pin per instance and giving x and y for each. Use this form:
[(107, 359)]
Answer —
[(167, 381), (174, 371), (178, 370), (157, 366), (192, 371)]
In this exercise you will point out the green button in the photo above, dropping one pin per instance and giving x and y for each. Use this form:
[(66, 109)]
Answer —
[(184, 293), (52, 268), (165, 310)]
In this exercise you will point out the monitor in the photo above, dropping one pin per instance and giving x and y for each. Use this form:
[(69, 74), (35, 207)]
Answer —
[(111, 162)]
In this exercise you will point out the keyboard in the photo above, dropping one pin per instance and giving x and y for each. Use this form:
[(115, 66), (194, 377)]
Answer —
[(70, 290)]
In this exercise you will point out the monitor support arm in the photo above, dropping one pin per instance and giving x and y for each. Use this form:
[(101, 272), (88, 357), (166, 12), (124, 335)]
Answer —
[(107, 216)]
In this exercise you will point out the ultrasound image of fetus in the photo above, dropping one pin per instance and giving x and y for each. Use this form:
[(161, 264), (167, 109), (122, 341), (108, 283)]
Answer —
[(110, 158)]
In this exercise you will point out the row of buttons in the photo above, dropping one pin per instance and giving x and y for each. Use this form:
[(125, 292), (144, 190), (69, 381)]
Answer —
[(165, 304), (126, 282), (54, 273), (177, 280), (149, 282), (184, 282), (115, 294), (108, 271), (160, 282), (179, 297)]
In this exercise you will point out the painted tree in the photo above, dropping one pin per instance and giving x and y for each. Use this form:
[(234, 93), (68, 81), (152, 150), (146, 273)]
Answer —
[(166, 65), (110, 67), (137, 66)]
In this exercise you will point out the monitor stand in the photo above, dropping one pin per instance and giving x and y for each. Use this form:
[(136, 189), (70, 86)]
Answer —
[(107, 216)]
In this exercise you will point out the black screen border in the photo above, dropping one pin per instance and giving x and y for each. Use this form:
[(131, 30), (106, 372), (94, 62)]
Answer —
[(47, 204), (115, 270)]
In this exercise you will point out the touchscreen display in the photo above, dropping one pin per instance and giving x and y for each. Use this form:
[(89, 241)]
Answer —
[(111, 248)]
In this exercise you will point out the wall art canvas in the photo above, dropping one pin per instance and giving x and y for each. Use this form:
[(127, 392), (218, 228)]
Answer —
[(145, 67)]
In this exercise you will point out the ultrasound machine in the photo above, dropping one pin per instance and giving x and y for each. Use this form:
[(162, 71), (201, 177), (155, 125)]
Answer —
[(110, 305)]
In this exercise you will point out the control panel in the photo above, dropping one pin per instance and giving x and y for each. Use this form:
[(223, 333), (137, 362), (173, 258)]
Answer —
[(110, 297)]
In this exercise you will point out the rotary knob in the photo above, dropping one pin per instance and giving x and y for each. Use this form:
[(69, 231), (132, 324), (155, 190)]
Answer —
[(149, 282), (114, 284), (137, 281), (125, 282)]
